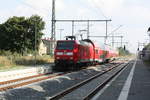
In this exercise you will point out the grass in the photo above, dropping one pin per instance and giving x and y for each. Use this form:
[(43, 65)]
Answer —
[(17, 61), (8, 68), (30, 60)]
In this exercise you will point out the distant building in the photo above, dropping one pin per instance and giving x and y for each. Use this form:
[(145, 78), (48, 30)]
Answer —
[(44, 47)]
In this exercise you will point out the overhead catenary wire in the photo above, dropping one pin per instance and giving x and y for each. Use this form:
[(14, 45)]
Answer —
[(35, 8), (100, 9)]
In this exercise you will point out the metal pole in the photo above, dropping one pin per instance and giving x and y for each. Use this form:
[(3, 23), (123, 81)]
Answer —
[(60, 32), (83, 21), (138, 46), (72, 28), (106, 32), (88, 30), (53, 38), (61, 20), (112, 39), (121, 40), (23, 51), (35, 41)]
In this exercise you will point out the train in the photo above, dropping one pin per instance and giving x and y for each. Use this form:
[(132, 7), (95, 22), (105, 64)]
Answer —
[(70, 54)]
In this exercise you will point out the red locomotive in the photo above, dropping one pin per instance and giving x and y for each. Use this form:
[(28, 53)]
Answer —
[(72, 53)]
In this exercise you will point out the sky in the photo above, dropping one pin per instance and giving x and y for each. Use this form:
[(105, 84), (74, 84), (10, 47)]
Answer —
[(132, 15)]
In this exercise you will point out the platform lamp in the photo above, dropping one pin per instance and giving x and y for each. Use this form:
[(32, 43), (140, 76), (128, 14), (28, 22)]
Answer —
[(148, 32)]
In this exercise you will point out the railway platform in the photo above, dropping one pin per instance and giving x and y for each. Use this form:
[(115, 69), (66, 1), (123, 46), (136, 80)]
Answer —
[(131, 84), (115, 81), (25, 72)]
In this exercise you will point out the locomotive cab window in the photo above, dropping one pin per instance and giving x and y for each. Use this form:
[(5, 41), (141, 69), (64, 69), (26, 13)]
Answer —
[(65, 45)]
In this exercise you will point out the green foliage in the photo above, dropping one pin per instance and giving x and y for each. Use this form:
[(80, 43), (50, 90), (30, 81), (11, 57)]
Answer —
[(18, 33), (11, 61), (5, 53), (123, 52)]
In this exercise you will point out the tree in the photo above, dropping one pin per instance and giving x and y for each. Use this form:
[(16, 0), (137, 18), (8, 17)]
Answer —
[(147, 46), (11, 33), (123, 51), (36, 25), (18, 33)]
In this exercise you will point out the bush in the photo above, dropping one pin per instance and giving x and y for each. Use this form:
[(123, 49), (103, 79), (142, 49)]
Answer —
[(5, 53), (8, 58), (4, 61), (123, 52)]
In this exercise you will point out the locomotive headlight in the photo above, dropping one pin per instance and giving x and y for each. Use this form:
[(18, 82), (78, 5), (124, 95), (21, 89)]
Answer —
[(69, 53), (59, 53), (71, 58)]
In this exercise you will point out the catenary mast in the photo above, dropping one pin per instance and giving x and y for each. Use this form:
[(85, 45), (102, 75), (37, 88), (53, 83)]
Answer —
[(53, 35)]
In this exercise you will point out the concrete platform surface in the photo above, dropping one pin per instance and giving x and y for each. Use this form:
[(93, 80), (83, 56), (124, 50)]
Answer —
[(132, 84), (29, 71)]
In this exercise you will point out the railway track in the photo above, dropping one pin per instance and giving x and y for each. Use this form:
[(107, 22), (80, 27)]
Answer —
[(71, 92), (11, 84)]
